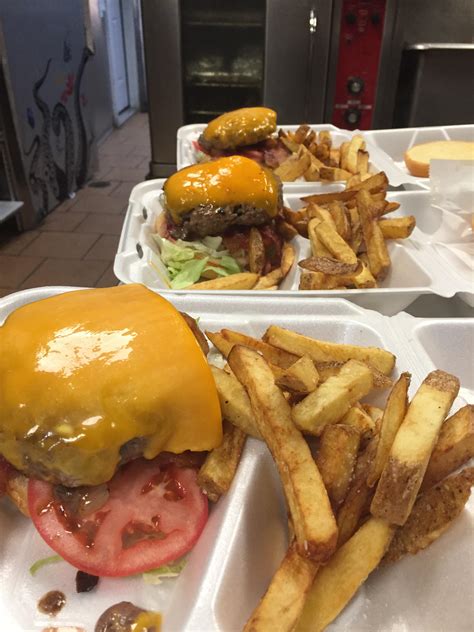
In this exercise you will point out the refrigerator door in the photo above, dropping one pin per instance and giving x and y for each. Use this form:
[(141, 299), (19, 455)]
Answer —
[(297, 46)]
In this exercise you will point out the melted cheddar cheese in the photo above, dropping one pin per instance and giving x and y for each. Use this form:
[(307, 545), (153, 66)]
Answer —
[(240, 127), (84, 372), (228, 181)]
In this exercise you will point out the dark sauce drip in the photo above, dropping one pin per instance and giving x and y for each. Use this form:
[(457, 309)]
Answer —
[(52, 602), (85, 582), (136, 531)]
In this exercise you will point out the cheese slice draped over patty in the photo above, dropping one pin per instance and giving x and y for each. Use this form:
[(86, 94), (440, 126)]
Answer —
[(244, 126), (84, 372), (233, 181)]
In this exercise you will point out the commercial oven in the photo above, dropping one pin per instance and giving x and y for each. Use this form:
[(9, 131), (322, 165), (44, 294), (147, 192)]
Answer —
[(311, 60)]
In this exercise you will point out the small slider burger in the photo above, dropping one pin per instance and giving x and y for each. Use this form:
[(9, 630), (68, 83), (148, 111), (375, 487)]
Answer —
[(215, 213), (106, 401), (248, 132)]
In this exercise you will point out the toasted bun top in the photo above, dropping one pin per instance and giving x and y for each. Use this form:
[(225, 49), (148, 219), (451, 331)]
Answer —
[(84, 372), (240, 127), (418, 157), (227, 181)]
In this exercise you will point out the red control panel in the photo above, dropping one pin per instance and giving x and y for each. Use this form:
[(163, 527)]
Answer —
[(360, 43)]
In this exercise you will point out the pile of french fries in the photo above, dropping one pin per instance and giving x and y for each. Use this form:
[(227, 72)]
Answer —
[(363, 485), (348, 232), (314, 158)]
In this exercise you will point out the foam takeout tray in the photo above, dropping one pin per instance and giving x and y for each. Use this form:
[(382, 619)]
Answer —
[(186, 154), (434, 260), (245, 537)]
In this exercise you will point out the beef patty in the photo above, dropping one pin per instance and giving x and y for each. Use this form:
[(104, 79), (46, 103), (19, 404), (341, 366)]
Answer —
[(209, 220)]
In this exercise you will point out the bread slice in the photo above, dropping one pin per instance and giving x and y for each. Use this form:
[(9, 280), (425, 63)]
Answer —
[(417, 158)]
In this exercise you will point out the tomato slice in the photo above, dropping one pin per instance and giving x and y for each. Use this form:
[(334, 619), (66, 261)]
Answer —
[(153, 514)]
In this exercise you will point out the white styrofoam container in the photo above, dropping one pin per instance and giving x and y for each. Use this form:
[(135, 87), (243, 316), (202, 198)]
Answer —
[(245, 537), (395, 142), (420, 265), (186, 155)]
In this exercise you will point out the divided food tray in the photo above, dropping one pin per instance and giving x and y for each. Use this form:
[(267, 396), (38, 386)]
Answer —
[(434, 260), (395, 142), (186, 155), (245, 537)]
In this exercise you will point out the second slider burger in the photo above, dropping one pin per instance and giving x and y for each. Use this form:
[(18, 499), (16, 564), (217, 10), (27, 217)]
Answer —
[(216, 216)]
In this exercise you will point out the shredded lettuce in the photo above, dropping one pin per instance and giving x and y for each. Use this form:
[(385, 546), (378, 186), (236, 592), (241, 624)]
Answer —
[(187, 261), (167, 570), (45, 561)]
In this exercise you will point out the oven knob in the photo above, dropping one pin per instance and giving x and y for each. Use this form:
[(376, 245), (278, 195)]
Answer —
[(351, 18), (355, 85), (352, 116)]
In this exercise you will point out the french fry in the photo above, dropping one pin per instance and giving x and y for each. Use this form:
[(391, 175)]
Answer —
[(316, 281), (390, 207), (362, 162), (357, 143), (218, 470), (223, 345), (333, 242), (336, 458), (343, 155), (301, 377), (272, 354), (394, 413), (332, 399), (312, 173), (337, 581), (398, 227), (354, 179), (357, 501), (17, 489), (328, 265), (333, 174), (256, 251), (294, 166), (317, 247), (432, 514), (455, 446), (295, 216), (357, 418), (365, 277), (334, 157), (324, 138), (324, 351), (301, 133), (285, 229), (269, 280), (234, 401), (356, 229), (283, 601), (325, 198), (310, 509), (322, 213), (379, 259), (337, 212), (374, 184), (239, 281), (411, 450), (287, 258)]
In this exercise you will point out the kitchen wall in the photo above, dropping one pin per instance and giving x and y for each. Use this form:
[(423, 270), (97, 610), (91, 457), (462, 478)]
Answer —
[(57, 62)]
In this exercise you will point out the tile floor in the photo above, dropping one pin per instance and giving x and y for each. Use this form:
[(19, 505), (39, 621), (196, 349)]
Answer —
[(76, 243)]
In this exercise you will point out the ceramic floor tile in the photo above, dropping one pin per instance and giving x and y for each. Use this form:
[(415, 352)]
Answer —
[(100, 204), (14, 244), (66, 272), (62, 222), (127, 175), (14, 270), (4, 291), (108, 279), (101, 190), (102, 223), (62, 245), (104, 249)]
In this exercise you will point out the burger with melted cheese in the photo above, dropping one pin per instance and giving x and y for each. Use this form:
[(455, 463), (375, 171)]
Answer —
[(106, 405), (246, 131), (213, 208)]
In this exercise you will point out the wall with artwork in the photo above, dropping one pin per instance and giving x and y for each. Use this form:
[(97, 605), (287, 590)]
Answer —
[(60, 91)]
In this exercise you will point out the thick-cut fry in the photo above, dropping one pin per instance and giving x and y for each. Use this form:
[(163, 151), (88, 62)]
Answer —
[(301, 377), (363, 162), (234, 401), (239, 281), (356, 229), (403, 474), (287, 258), (334, 157), (432, 514), (455, 446), (365, 277), (395, 411), (285, 229), (398, 227), (335, 243), (379, 259), (324, 351), (272, 354), (321, 212), (337, 582), (295, 216), (310, 509), (357, 418), (324, 198), (318, 249), (312, 173), (331, 401), (256, 251), (315, 281), (334, 174), (17, 490), (328, 265), (374, 184), (390, 207), (272, 278), (220, 343), (281, 605), (336, 458), (294, 166), (357, 143), (218, 470), (338, 214)]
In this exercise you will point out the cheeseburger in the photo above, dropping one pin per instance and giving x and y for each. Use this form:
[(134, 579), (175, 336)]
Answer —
[(106, 404), (213, 213), (248, 132)]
